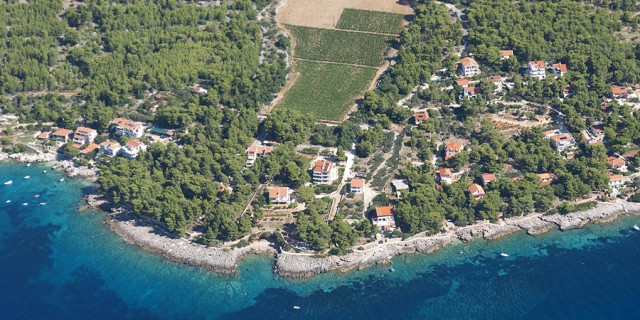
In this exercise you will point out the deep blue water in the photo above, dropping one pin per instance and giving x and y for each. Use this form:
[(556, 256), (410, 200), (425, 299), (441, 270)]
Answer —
[(58, 263)]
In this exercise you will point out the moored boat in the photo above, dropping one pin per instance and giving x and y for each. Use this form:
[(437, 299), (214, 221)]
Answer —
[(8, 182)]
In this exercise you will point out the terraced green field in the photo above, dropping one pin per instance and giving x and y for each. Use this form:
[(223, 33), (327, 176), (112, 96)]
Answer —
[(327, 90), (339, 46), (371, 21)]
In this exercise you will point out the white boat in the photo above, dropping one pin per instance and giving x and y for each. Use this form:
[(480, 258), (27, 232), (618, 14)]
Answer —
[(62, 180), (42, 204), (296, 307), (27, 177), (8, 182), (44, 171), (25, 204), (504, 254), (8, 201), (392, 269), (37, 196), (635, 226), (28, 164)]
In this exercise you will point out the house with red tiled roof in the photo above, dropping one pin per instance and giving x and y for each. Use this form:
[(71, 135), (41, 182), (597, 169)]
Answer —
[(616, 181), (445, 175), (537, 69), (476, 191), (616, 163), (133, 148), (90, 148), (559, 69), (279, 195), (468, 67), (384, 218), (356, 186), (619, 92), (110, 148), (470, 92), (324, 172), (505, 54), (561, 140), (254, 152), (420, 117), (43, 135), (61, 135), (546, 179), (487, 178), (84, 135), (129, 128), (462, 82), (452, 149)]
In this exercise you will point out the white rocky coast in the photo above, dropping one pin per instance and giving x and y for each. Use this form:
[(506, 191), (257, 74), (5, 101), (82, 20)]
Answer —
[(28, 157), (144, 233), (71, 170)]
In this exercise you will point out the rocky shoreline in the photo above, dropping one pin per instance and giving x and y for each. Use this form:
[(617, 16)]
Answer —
[(146, 234), (68, 167)]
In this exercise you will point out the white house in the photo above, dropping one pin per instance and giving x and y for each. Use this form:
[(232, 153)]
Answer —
[(324, 171), (84, 135), (559, 69), (476, 191), (505, 54), (616, 163), (133, 148), (452, 149), (279, 195), (110, 148), (561, 140), (536, 69), (468, 67), (488, 178), (356, 186), (126, 127), (445, 176), (257, 151), (384, 218), (616, 181), (61, 135)]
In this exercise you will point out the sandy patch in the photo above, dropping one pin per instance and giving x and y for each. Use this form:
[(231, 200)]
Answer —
[(326, 13)]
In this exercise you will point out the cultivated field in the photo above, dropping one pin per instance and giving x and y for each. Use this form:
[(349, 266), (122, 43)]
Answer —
[(339, 46), (327, 90), (371, 21), (326, 13)]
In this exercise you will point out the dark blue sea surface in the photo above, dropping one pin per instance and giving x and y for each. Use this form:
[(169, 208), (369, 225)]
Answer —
[(58, 263)]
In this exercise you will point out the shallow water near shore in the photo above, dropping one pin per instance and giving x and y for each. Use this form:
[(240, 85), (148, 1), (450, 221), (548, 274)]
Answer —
[(57, 263)]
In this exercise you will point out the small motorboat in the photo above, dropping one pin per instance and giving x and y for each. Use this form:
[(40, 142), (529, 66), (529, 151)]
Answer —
[(27, 177), (296, 307), (635, 226), (42, 204), (28, 164), (8, 201), (45, 171), (62, 180), (504, 254), (8, 182), (392, 269), (25, 204), (37, 196)]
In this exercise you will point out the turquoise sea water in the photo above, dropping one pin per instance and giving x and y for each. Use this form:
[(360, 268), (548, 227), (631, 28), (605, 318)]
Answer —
[(57, 263)]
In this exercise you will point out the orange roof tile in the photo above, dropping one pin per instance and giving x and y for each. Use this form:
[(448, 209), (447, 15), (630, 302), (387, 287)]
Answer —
[(506, 53), (560, 66), (488, 177), (384, 211), (277, 192), (476, 189), (421, 116), (616, 177), (615, 162), (62, 132), (323, 166), (468, 61), (453, 147), (539, 63), (90, 148), (462, 82), (357, 183), (618, 90)]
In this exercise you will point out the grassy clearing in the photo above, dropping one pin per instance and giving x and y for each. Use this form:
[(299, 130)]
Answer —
[(339, 46), (371, 21), (327, 90)]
